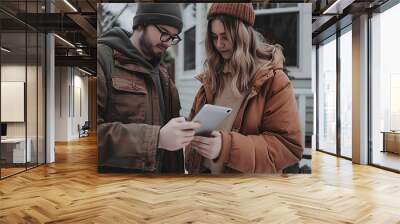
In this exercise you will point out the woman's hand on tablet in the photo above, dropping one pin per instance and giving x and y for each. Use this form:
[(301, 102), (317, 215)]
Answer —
[(208, 147)]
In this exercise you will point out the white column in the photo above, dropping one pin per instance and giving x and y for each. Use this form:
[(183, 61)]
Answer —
[(50, 99), (314, 92), (50, 92), (360, 90)]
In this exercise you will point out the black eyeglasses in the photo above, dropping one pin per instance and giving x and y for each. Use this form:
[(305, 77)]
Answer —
[(165, 37)]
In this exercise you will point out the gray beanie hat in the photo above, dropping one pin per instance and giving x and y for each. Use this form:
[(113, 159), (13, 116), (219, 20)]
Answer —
[(158, 13)]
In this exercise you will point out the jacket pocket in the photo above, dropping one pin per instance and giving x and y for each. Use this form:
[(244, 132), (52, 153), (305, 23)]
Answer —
[(128, 100)]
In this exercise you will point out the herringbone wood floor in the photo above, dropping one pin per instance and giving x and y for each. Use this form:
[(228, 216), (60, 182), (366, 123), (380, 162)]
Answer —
[(71, 191)]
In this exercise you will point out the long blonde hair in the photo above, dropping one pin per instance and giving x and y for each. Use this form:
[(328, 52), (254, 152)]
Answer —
[(250, 52)]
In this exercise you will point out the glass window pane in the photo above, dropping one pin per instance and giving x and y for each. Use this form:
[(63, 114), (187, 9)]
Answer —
[(385, 114), (41, 99), (327, 96), (346, 94), (31, 97), (275, 29), (13, 86), (190, 49), (23, 86)]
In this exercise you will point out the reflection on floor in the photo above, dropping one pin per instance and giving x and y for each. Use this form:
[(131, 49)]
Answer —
[(386, 159), (10, 169)]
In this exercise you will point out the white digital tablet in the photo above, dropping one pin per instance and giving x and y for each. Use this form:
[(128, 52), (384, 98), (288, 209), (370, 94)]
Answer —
[(210, 117)]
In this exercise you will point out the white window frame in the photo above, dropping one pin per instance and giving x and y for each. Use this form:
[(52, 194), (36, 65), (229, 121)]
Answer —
[(303, 70), (187, 25)]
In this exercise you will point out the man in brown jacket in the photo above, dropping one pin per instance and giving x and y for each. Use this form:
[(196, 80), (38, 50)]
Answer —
[(139, 128)]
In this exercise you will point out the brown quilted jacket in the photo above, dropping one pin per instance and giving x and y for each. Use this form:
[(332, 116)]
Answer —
[(266, 134), (129, 118)]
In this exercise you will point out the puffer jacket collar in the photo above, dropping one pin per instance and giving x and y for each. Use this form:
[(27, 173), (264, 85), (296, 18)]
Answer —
[(261, 77)]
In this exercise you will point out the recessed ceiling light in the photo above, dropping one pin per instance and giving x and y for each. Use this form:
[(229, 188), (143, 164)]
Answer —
[(64, 40), (5, 50), (337, 7), (70, 5), (84, 71)]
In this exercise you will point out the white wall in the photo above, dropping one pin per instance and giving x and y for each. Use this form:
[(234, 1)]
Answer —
[(79, 117), (17, 73), (33, 126), (61, 103), (14, 73), (70, 84)]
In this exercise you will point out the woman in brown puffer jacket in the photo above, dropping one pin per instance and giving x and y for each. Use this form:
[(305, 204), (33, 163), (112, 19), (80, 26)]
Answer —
[(262, 134)]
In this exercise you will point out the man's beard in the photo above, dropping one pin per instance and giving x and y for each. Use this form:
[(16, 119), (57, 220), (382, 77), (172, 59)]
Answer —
[(147, 48)]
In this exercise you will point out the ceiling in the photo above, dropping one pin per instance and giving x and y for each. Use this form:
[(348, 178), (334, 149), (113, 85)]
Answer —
[(76, 22), (76, 25), (330, 16)]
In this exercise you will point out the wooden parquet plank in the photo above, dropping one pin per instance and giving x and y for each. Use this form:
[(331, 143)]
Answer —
[(71, 191)]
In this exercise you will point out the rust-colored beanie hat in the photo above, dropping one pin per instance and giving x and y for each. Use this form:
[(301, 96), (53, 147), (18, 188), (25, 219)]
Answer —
[(242, 11)]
